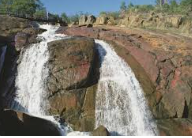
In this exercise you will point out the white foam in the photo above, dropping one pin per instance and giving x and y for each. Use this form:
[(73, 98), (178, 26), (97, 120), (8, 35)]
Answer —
[(120, 103)]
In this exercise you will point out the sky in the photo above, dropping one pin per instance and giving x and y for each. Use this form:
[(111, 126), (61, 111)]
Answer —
[(71, 7)]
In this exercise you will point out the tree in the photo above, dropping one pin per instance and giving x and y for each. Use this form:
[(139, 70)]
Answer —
[(123, 6), (65, 18), (173, 6), (186, 5), (21, 7), (130, 6), (160, 3), (40, 14), (74, 18), (6, 6), (25, 7)]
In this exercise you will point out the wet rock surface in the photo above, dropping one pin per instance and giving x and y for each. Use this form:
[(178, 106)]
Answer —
[(165, 60), (73, 73)]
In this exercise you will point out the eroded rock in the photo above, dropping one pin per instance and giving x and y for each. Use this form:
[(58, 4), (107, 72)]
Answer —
[(74, 66)]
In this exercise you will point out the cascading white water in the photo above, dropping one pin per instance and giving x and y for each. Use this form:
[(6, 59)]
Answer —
[(31, 78), (2, 57), (120, 102), (32, 74)]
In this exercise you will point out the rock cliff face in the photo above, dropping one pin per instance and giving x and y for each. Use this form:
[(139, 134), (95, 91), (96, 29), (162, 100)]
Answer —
[(161, 64), (170, 23)]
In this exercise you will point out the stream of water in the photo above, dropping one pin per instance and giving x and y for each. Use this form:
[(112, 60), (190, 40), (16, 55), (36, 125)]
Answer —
[(2, 56), (120, 102)]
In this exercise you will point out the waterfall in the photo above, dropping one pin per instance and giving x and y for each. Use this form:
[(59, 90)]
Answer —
[(120, 102), (2, 56), (32, 74), (31, 78)]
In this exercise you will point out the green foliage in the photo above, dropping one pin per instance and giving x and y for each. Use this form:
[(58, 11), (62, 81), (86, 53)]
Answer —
[(130, 6), (159, 3), (74, 18), (115, 15), (186, 6), (65, 18), (144, 8), (6, 6), (40, 14), (20, 7), (173, 7), (165, 6), (123, 6), (54, 17)]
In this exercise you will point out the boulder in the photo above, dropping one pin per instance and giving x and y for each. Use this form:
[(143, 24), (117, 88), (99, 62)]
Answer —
[(26, 37), (100, 131), (175, 21), (102, 20), (20, 124), (90, 20), (10, 26), (83, 20), (71, 62), (86, 20), (74, 68)]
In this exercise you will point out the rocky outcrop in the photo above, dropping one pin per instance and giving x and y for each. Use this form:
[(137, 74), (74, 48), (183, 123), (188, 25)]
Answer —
[(101, 20), (161, 63), (13, 123), (87, 20), (26, 37), (176, 23), (10, 26), (73, 73), (100, 131)]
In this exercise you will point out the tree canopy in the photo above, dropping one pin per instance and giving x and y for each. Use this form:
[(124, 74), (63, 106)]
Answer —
[(20, 7), (123, 6)]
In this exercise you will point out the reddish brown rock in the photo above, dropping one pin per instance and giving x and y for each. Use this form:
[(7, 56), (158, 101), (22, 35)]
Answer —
[(175, 127), (74, 68), (26, 37), (164, 58), (71, 62)]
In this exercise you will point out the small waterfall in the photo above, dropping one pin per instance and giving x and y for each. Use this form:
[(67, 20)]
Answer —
[(31, 79), (2, 56), (32, 74), (120, 103)]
